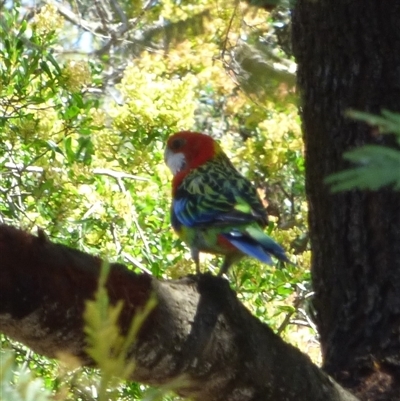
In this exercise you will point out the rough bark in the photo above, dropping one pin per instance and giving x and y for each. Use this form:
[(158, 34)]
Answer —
[(198, 331), (348, 54)]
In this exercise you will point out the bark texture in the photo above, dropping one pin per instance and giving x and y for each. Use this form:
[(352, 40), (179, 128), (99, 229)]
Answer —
[(348, 54), (199, 332)]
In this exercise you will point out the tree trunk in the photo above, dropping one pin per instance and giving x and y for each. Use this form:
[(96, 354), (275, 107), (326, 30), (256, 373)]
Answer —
[(199, 338), (348, 54)]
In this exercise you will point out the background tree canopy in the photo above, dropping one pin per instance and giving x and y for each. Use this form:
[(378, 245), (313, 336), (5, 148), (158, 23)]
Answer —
[(89, 92)]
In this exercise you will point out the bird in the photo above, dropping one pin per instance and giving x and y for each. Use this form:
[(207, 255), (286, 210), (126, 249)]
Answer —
[(214, 208)]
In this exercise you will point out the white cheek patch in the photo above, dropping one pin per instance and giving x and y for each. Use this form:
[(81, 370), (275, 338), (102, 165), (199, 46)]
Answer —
[(176, 162)]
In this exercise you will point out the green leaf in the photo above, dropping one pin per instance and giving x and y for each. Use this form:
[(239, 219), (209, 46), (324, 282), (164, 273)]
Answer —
[(46, 69), (54, 147), (23, 27), (71, 112), (18, 383), (379, 166), (388, 122), (19, 45), (85, 150), (69, 150), (78, 100), (54, 62)]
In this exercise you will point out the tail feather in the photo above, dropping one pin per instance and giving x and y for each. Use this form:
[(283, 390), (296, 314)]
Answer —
[(268, 243), (249, 248), (254, 242)]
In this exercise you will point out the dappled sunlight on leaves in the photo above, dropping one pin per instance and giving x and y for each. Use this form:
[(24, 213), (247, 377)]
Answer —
[(82, 143)]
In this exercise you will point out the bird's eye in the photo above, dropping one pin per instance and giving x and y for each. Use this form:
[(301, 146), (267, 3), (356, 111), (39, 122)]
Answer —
[(177, 143)]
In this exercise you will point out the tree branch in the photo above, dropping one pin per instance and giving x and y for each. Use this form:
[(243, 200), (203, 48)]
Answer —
[(93, 27), (20, 168), (198, 332)]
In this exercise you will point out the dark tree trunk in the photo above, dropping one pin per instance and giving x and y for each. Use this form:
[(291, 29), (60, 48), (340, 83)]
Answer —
[(348, 54)]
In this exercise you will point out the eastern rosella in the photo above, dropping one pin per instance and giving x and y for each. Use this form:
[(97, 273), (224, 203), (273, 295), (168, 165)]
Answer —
[(214, 208)]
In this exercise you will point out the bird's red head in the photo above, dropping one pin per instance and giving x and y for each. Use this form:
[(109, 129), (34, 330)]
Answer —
[(187, 150)]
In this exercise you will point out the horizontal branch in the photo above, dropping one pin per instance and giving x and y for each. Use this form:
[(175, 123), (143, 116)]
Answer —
[(199, 331), (97, 171)]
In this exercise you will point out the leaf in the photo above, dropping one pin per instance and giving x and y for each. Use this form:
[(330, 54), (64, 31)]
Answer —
[(71, 112), (22, 27), (17, 383), (54, 147), (69, 150), (106, 345), (379, 166), (46, 69), (85, 150), (388, 122), (54, 62)]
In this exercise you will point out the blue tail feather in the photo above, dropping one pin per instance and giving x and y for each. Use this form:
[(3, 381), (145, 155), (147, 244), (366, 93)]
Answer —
[(249, 248), (257, 244)]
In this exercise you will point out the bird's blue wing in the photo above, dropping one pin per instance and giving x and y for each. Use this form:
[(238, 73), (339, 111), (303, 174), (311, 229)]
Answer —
[(195, 212)]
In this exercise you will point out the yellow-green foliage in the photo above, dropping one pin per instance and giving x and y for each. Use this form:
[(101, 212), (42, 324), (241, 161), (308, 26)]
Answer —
[(153, 99), (106, 345), (48, 20), (17, 383), (89, 168)]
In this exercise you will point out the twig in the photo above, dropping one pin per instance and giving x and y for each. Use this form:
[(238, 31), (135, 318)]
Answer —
[(300, 298), (89, 26), (135, 262), (297, 302), (118, 174), (97, 171), (117, 8), (123, 29), (224, 45)]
